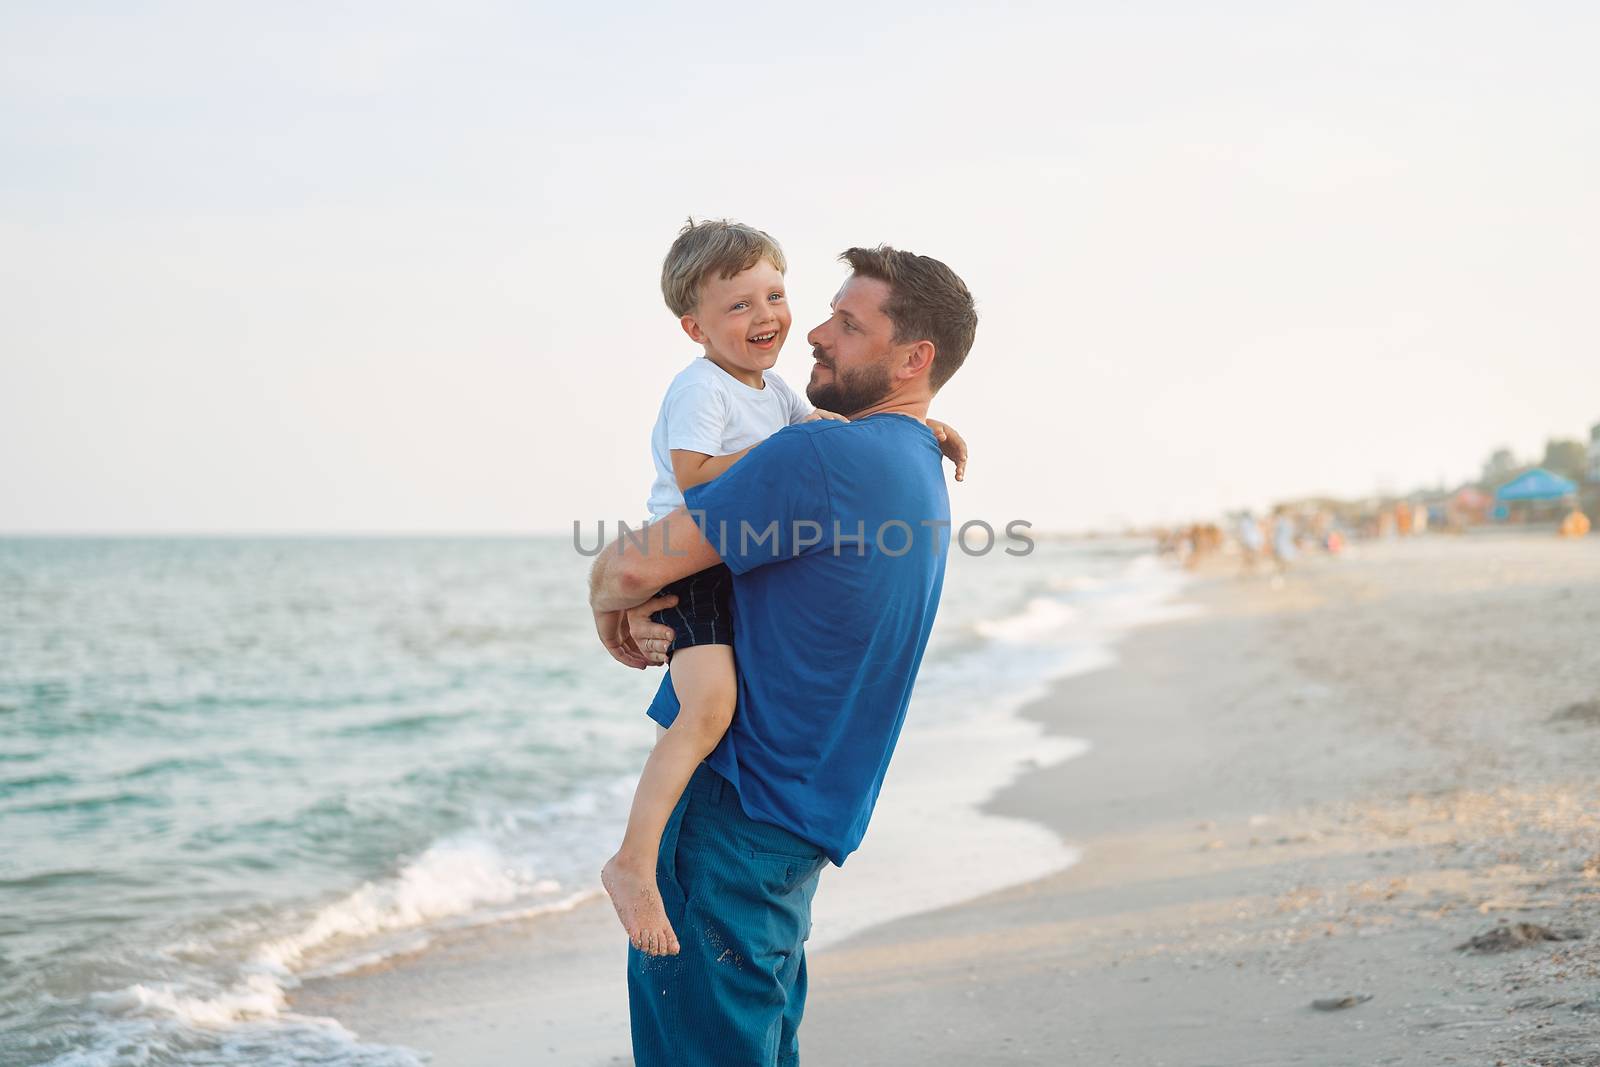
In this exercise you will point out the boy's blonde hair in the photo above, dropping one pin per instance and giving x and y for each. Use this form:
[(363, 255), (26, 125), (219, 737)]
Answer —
[(712, 245)]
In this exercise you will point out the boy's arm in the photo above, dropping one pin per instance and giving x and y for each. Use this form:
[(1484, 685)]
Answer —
[(952, 444), (697, 468)]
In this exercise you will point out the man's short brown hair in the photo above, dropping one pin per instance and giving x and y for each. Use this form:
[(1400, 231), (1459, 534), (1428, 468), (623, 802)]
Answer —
[(927, 302), (712, 245)]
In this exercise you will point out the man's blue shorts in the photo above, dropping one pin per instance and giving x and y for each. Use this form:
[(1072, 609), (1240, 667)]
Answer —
[(738, 894)]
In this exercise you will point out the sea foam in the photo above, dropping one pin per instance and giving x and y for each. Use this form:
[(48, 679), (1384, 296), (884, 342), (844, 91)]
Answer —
[(465, 878)]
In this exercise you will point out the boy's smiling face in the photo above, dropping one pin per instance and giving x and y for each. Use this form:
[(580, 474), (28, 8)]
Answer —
[(742, 321)]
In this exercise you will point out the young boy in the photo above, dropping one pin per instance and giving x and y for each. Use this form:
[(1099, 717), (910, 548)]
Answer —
[(724, 281)]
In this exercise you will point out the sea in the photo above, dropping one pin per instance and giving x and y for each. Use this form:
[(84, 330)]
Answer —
[(229, 765)]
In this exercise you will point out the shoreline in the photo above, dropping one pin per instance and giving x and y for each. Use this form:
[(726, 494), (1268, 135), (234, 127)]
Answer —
[(1311, 793), (1260, 825), (946, 768)]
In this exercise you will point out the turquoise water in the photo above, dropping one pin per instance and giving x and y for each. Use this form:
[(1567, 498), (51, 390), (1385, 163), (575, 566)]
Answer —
[(227, 764)]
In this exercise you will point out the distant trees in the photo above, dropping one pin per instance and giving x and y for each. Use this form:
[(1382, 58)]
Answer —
[(1566, 456), (1499, 468)]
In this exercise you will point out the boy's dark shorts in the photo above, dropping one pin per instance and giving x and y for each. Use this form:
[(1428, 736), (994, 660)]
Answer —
[(703, 614)]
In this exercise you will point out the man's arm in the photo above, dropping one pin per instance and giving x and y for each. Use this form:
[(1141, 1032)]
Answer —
[(626, 574), (774, 493)]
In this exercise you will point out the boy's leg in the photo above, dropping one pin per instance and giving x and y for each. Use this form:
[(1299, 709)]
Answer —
[(703, 677), (735, 993)]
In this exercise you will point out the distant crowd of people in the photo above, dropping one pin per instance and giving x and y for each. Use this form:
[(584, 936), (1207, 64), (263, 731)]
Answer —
[(1277, 539), (1274, 540)]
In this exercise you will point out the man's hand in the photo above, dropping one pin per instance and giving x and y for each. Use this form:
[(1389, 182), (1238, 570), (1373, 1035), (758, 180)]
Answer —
[(632, 638), (819, 413), (651, 638), (952, 444)]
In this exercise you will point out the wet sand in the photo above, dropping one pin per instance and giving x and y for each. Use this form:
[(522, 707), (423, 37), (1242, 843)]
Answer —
[(1314, 791)]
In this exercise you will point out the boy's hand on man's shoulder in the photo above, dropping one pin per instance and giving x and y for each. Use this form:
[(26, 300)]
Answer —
[(819, 413), (952, 444)]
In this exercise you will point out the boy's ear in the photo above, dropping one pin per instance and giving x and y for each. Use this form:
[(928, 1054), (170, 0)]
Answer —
[(691, 326)]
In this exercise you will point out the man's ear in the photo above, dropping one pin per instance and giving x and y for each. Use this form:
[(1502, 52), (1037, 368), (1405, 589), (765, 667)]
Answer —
[(918, 358), (691, 326)]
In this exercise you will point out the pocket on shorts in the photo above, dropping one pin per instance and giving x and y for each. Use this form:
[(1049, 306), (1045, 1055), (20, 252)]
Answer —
[(765, 839), (783, 874), (767, 852)]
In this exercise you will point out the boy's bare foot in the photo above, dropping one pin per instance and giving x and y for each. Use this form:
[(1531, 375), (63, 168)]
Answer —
[(638, 903)]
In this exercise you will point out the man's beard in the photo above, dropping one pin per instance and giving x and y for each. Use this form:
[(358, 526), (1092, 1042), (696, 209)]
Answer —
[(855, 390)]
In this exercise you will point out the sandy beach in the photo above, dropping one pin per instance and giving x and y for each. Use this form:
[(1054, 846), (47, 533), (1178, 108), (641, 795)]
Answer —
[(1313, 791)]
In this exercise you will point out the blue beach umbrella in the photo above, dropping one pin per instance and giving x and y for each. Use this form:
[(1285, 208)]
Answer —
[(1537, 484)]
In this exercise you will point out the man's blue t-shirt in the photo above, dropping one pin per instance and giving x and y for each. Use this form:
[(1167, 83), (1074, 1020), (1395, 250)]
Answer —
[(836, 534)]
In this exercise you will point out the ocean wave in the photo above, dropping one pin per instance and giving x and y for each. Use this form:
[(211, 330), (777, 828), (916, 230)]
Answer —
[(258, 996), (1094, 606), (163, 767), (449, 879), (90, 804), (167, 1037), (92, 876), (464, 878), (1042, 616), (405, 724)]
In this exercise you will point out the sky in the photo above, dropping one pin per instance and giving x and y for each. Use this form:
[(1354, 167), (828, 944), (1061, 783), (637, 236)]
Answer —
[(390, 268)]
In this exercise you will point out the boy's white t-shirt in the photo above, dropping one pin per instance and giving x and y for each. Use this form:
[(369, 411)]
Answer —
[(708, 410)]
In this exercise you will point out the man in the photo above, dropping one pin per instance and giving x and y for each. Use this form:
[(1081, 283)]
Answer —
[(836, 534)]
